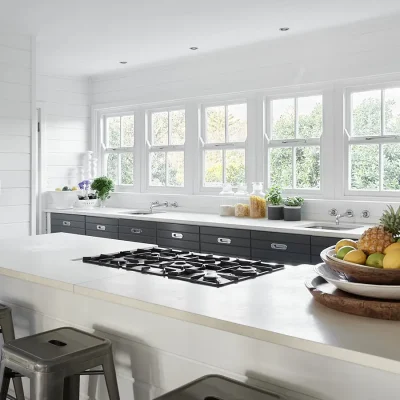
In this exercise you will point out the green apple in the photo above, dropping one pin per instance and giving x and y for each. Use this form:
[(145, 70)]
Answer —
[(343, 251), (375, 260)]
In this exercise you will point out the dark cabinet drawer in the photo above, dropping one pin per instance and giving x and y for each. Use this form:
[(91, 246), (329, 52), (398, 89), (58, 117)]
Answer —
[(101, 221), (178, 227), (67, 217), (101, 227), (225, 240), (319, 243), (66, 229), (66, 223), (281, 246), (225, 232), (178, 244), (231, 251), (280, 257), (192, 237), (137, 231), (280, 237), (315, 259), (138, 238), (108, 235), (132, 223)]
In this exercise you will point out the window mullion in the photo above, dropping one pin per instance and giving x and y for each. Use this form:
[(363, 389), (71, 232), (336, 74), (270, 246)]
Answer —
[(166, 168), (294, 166), (381, 167), (119, 169), (223, 167), (296, 118)]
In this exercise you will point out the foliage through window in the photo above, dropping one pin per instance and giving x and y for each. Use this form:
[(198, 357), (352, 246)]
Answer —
[(296, 126), (119, 143), (224, 143), (374, 130), (166, 155)]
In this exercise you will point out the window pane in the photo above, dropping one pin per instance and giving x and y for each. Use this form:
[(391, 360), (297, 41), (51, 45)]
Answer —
[(364, 168), (213, 168), (283, 119), (128, 125), (281, 167), (310, 117), (237, 123), (391, 166), (177, 127), (392, 111), (215, 124), (157, 169), (113, 132), (308, 167), (176, 168), (127, 169), (159, 124), (235, 167), (366, 113), (112, 167)]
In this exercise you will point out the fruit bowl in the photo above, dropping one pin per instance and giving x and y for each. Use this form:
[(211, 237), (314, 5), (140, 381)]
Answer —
[(360, 273)]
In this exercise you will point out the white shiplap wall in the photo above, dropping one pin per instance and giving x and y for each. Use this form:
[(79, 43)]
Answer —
[(66, 116), (15, 134)]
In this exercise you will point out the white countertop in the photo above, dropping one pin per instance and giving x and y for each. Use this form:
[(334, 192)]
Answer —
[(262, 224), (276, 308)]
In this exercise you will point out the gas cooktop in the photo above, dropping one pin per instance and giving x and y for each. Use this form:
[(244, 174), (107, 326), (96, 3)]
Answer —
[(205, 269)]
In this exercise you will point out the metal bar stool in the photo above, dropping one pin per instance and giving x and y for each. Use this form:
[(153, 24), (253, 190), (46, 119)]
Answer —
[(7, 329), (54, 360)]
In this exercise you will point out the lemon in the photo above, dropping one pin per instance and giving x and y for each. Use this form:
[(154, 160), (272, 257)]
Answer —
[(74, 188), (356, 257), (343, 251), (392, 260), (58, 189), (391, 247), (345, 242)]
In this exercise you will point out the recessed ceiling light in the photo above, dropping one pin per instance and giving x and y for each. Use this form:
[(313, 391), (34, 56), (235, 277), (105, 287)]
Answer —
[(123, 62), (193, 48), (284, 29)]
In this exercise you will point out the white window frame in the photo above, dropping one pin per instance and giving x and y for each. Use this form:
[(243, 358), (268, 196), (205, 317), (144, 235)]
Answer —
[(203, 146), (270, 143), (150, 148), (104, 151), (349, 140)]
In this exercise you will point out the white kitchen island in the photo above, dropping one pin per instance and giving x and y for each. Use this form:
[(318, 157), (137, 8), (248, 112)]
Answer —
[(267, 331)]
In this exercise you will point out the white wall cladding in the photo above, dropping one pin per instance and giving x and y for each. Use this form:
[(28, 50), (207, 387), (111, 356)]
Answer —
[(15, 134), (357, 50), (65, 103)]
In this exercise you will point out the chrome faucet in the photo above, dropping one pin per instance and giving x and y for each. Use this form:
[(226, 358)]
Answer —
[(333, 212), (156, 203)]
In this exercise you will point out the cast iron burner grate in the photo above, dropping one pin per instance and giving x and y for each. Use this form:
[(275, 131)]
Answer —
[(204, 269)]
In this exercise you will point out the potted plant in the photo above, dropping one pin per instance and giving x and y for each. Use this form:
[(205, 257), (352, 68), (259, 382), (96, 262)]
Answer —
[(275, 203), (292, 208), (103, 187)]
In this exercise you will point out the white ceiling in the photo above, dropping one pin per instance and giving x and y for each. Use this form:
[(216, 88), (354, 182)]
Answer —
[(90, 37)]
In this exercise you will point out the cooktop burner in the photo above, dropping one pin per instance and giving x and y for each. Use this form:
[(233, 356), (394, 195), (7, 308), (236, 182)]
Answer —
[(205, 269)]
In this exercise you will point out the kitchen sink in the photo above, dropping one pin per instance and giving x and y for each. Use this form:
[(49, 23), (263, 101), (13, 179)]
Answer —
[(332, 227), (141, 212)]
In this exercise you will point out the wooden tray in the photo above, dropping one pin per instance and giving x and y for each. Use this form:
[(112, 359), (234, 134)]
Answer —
[(361, 273), (327, 294)]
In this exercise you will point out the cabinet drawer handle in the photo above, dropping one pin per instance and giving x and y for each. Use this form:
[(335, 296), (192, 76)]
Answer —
[(224, 241), (278, 246), (66, 223), (101, 228), (177, 235), (136, 230)]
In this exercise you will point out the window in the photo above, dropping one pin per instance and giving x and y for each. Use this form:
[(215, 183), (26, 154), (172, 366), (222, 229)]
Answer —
[(224, 145), (166, 148), (294, 128), (119, 146), (373, 133)]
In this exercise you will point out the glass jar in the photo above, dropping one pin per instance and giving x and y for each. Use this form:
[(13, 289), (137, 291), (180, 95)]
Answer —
[(258, 204), (242, 206), (227, 203)]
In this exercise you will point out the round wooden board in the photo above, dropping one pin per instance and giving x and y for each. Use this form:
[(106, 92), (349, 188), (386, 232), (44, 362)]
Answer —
[(328, 295)]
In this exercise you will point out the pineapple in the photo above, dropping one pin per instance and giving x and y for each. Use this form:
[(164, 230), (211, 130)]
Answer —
[(376, 239)]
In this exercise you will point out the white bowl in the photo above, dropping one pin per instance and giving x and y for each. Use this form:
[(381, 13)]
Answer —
[(387, 292), (62, 200)]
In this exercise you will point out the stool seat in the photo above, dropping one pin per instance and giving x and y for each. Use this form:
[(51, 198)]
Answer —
[(51, 350)]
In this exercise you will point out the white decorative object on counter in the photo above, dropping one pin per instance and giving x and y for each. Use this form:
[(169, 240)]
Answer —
[(86, 204), (63, 199), (227, 204)]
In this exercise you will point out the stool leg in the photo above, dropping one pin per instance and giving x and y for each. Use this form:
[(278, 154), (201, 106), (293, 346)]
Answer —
[(111, 377), (7, 327), (47, 387), (4, 381), (71, 387)]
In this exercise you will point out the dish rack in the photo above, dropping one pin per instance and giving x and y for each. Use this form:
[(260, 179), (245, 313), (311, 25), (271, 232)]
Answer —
[(85, 204)]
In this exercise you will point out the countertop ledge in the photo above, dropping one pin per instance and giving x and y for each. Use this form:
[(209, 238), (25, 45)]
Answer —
[(276, 308), (296, 227)]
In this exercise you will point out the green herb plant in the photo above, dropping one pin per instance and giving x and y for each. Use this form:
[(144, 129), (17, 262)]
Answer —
[(294, 201), (274, 196), (103, 187)]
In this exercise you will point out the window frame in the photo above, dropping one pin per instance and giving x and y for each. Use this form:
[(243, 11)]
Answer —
[(204, 146), (269, 143), (104, 151), (150, 148), (349, 140)]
